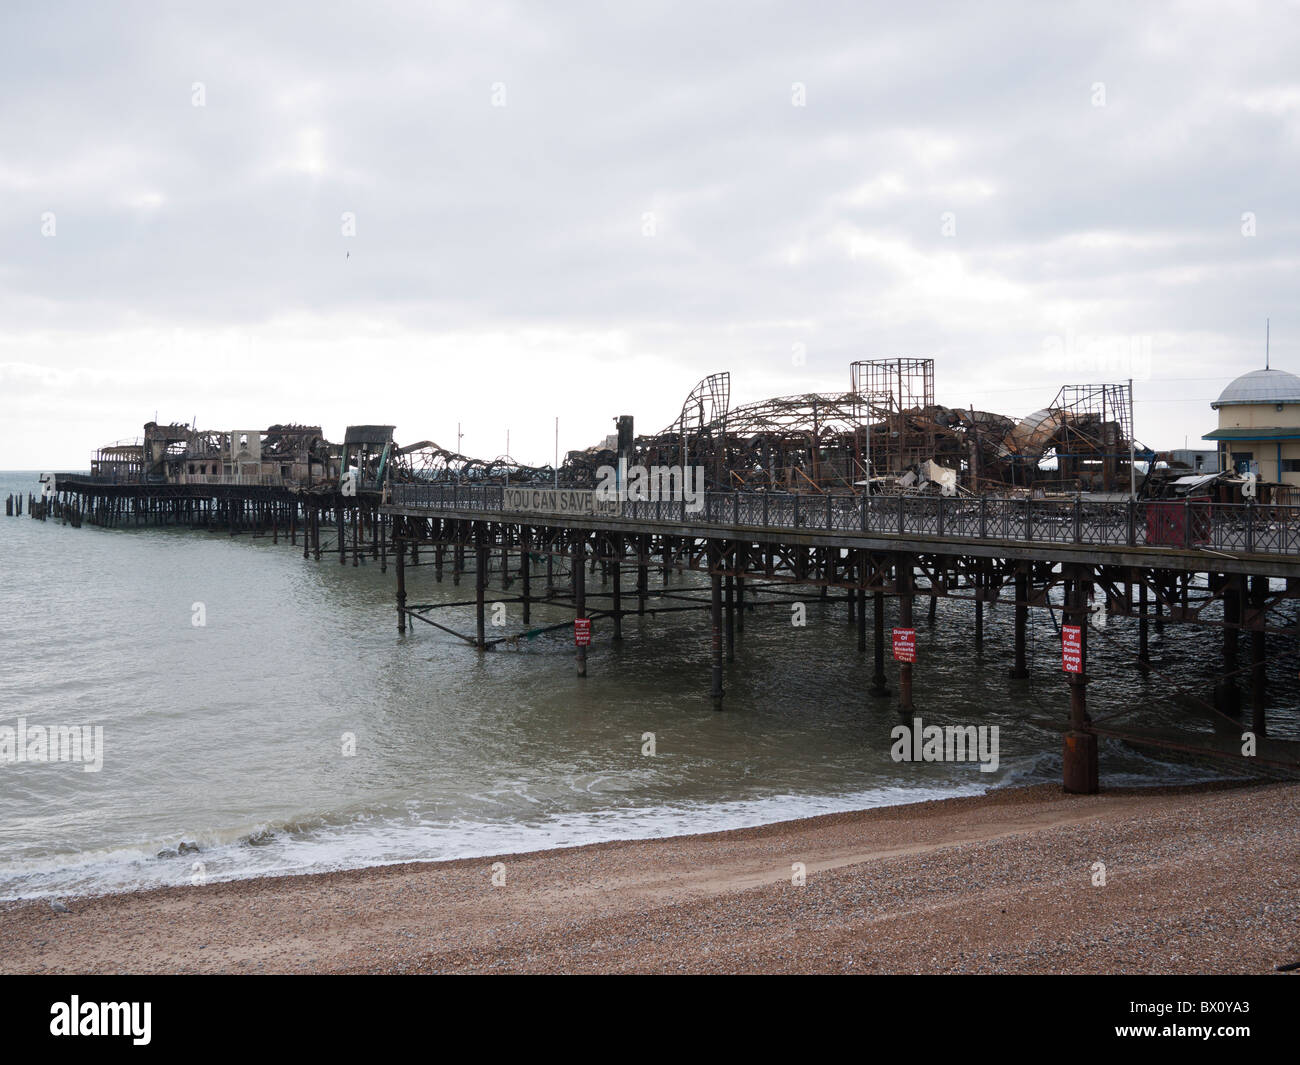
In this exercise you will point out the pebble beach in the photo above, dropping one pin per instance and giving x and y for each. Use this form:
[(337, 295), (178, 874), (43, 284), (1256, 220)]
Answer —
[(1020, 880)]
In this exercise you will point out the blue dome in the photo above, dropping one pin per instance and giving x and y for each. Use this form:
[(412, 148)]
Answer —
[(1261, 386)]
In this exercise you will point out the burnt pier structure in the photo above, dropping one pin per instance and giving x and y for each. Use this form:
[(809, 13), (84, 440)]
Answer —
[(1234, 573)]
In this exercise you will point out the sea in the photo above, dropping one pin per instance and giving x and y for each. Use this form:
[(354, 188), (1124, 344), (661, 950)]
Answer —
[(261, 715)]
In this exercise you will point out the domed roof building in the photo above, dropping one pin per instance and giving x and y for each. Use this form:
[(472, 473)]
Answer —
[(1259, 426), (1261, 386)]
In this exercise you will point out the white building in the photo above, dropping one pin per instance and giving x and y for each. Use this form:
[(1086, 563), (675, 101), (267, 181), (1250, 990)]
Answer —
[(1259, 426)]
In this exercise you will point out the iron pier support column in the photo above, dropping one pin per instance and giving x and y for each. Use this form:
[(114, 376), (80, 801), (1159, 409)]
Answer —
[(730, 606), (525, 571), (1228, 697), (480, 584), (580, 596), (862, 602), (1020, 671), (616, 542), (742, 564), (401, 581), (879, 684), (642, 572), (1258, 601), (903, 579), (1080, 753), (1144, 624), (715, 574)]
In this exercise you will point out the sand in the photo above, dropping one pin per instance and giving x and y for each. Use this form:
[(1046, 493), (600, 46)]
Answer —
[(1197, 880)]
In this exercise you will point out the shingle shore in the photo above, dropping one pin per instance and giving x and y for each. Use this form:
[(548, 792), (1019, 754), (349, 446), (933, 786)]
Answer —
[(1196, 880)]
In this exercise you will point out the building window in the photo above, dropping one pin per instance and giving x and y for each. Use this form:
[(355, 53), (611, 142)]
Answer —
[(1290, 466)]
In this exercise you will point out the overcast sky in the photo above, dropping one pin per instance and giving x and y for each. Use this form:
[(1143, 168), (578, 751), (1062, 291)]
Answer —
[(579, 210)]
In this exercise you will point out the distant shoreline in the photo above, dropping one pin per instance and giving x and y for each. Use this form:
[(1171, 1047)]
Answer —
[(1198, 878)]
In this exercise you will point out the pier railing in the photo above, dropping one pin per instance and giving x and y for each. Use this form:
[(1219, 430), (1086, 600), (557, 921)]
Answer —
[(1174, 524)]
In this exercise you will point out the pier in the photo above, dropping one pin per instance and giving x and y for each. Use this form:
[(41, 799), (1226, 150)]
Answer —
[(851, 500), (757, 549)]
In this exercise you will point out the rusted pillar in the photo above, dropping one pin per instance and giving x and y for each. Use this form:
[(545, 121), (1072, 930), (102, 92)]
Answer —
[(480, 585), (742, 563), (1080, 751), (580, 596), (1020, 670), (1144, 623), (401, 583), (642, 573), (879, 685), (979, 609), (903, 579), (1258, 601), (616, 542), (862, 602), (525, 572), (1227, 695), (730, 611), (715, 566)]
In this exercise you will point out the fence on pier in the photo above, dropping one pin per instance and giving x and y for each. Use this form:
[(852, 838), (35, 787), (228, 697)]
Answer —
[(1171, 524)]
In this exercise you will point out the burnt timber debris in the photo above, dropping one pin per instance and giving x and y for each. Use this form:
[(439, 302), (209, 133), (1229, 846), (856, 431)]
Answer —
[(878, 493)]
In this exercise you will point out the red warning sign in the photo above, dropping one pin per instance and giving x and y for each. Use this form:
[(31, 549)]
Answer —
[(1072, 648), (582, 632), (904, 645)]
